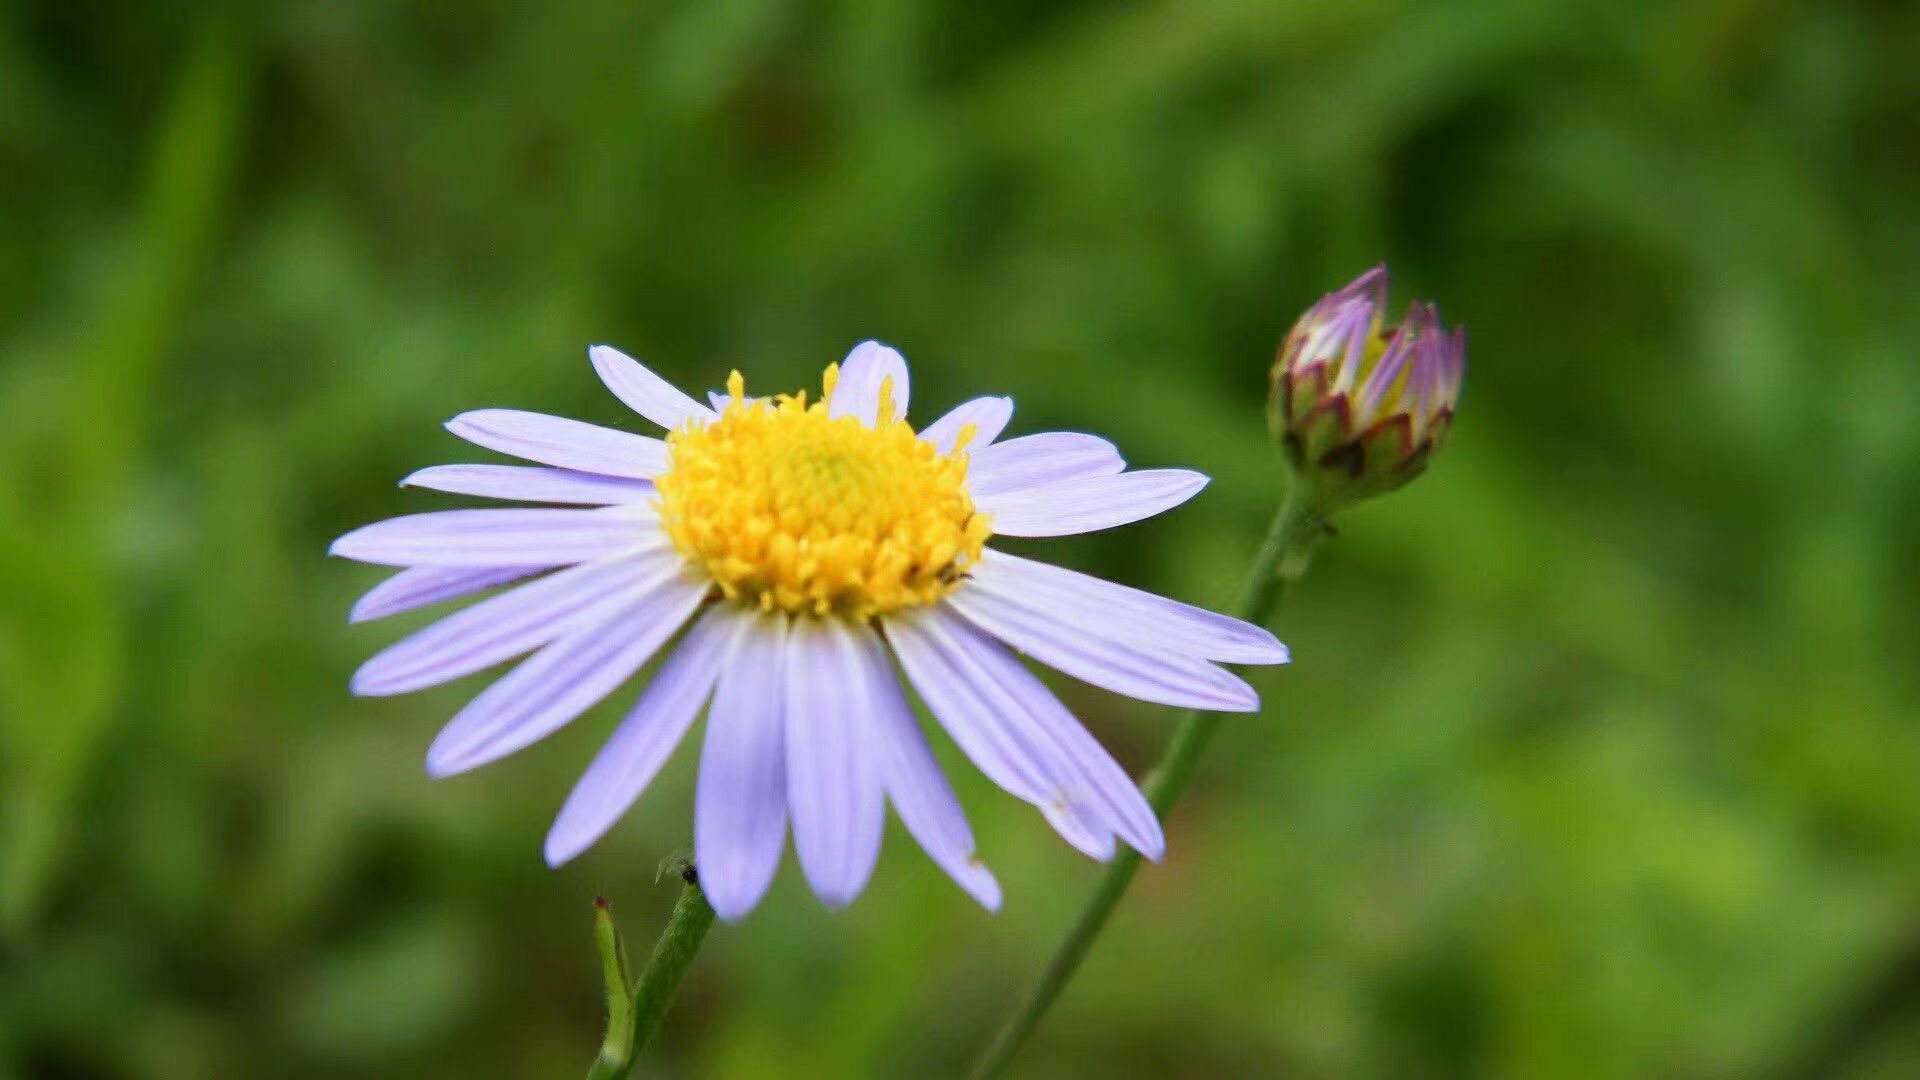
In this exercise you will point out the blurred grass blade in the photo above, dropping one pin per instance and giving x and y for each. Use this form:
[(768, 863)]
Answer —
[(66, 679)]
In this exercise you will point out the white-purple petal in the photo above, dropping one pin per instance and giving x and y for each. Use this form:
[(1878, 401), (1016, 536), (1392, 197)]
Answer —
[(1163, 678), (569, 676), (418, 586), (518, 537), (960, 708), (1050, 457), (988, 415), (1083, 506), (834, 793), (532, 483), (740, 804), (987, 725), (920, 794), (866, 369), (1146, 621), (644, 392), (505, 626), (1082, 826), (569, 444), (644, 740), (1101, 781), (1129, 813)]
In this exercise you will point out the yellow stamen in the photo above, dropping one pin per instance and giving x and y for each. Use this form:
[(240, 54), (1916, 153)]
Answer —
[(789, 509)]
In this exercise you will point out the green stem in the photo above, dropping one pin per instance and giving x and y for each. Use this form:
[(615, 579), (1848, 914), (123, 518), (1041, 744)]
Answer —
[(634, 1009), (1281, 561)]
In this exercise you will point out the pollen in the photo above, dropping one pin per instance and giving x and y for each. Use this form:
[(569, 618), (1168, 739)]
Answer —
[(788, 508)]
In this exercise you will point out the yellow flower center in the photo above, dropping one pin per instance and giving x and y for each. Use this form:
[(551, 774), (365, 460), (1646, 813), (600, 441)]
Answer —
[(790, 509)]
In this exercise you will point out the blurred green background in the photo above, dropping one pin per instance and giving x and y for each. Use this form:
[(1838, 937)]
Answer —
[(1600, 755)]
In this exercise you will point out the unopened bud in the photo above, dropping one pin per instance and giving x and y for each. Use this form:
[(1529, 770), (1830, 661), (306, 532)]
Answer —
[(1359, 407)]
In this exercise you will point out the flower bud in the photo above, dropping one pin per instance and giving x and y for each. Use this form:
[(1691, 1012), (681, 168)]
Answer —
[(1360, 408)]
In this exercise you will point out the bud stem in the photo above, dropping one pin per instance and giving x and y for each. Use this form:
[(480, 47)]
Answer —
[(1282, 560), (634, 1008)]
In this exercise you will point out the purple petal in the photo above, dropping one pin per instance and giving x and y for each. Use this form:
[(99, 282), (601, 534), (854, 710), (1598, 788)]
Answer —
[(502, 627), (1454, 363), (569, 444), (1423, 379), (740, 805), (862, 373), (1050, 457), (1438, 368), (569, 676), (644, 740), (1370, 285), (1164, 678), (644, 392), (988, 415), (920, 793), (527, 483), (1098, 779), (833, 785), (1084, 506), (1128, 812), (1393, 360), (1352, 329), (418, 586), (1130, 616), (941, 657), (995, 750), (500, 537)]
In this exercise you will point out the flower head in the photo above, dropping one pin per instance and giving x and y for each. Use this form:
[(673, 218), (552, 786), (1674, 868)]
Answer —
[(793, 552), (1359, 407), (789, 507)]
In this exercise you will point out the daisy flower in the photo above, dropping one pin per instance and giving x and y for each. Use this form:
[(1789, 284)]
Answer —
[(806, 554)]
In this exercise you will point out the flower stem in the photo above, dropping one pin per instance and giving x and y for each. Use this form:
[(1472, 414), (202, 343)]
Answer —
[(634, 1009), (1282, 560)]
